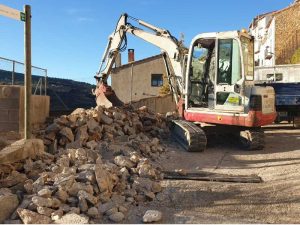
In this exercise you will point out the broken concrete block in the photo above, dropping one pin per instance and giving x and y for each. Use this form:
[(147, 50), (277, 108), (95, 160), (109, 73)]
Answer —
[(30, 217), (72, 218), (152, 216), (21, 150)]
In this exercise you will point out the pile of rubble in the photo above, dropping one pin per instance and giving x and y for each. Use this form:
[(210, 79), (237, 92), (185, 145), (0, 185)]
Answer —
[(102, 162)]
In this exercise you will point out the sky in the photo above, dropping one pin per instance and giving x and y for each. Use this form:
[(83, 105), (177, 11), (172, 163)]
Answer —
[(70, 36)]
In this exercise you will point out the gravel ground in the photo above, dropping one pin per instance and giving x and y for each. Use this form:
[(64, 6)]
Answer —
[(275, 200)]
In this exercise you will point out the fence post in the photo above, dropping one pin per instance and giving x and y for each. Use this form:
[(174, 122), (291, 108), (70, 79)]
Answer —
[(13, 74), (28, 89), (46, 74)]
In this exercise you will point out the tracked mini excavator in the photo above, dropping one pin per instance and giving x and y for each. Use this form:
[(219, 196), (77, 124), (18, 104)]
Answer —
[(212, 83)]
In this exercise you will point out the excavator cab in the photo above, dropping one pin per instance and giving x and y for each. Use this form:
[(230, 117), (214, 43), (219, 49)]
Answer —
[(220, 87)]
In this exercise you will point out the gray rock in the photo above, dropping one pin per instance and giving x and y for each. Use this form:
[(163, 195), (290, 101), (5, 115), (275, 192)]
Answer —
[(116, 217), (93, 212), (106, 120), (152, 216), (111, 211), (106, 206)]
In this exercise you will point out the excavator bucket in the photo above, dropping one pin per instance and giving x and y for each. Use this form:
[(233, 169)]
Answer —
[(106, 97)]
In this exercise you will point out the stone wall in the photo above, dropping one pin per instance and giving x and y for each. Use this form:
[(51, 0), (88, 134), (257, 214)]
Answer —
[(287, 25)]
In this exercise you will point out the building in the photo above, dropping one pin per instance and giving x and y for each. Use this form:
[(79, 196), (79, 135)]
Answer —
[(277, 36), (139, 79)]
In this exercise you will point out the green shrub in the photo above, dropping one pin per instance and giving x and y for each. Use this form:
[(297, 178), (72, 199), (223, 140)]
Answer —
[(296, 57)]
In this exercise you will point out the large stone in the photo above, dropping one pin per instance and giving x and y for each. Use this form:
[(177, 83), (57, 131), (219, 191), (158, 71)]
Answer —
[(30, 217), (67, 132), (72, 218), (13, 179), (21, 150), (8, 203), (103, 179), (152, 216), (81, 134)]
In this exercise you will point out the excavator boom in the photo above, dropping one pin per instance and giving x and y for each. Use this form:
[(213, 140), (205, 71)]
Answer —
[(117, 42)]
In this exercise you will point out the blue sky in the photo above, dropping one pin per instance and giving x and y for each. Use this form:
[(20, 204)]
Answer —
[(69, 36)]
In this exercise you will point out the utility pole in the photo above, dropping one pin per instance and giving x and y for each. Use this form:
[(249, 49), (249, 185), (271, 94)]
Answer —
[(27, 77)]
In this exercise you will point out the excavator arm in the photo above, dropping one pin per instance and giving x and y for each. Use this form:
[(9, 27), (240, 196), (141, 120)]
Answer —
[(173, 51)]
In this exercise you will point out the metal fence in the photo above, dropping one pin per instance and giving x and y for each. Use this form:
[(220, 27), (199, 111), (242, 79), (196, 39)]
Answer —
[(16, 69), (292, 44)]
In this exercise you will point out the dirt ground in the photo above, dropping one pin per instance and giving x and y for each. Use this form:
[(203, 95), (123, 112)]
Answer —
[(275, 200)]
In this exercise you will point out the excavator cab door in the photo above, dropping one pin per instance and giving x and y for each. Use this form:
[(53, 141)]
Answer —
[(229, 81)]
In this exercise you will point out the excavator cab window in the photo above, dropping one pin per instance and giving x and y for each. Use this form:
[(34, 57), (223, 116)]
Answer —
[(200, 71)]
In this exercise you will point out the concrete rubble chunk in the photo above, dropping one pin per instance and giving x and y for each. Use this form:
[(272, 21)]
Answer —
[(152, 216), (123, 161), (21, 150), (8, 204), (30, 217), (78, 111), (72, 218)]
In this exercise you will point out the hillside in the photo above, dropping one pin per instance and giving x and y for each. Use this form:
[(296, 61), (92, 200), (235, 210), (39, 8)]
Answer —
[(65, 94)]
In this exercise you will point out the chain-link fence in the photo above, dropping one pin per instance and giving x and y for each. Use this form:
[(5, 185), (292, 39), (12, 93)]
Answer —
[(12, 73)]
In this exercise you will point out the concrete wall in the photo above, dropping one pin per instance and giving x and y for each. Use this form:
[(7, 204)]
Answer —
[(9, 108), (132, 82), (159, 104), (12, 108)]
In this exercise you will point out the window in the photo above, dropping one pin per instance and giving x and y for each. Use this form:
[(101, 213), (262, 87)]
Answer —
[(248, 57), (156, 80), (229, 69), (278, 76)]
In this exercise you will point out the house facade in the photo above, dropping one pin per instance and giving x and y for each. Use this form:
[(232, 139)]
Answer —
[(277, 36), (139, 79)]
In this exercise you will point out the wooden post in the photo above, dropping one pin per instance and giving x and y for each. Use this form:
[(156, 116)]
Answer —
[(27, 77)]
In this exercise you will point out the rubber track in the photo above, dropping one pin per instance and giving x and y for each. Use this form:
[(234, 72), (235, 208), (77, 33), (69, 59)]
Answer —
[(191, 137)]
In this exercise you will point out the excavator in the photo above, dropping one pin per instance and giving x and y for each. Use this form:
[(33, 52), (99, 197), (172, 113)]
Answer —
[(212, 83)]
